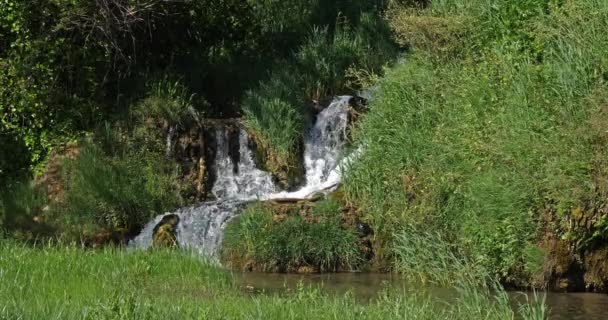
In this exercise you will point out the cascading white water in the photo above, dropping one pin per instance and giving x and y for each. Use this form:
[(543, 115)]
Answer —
[(248, 182), (201, 227), (323, 145), (169, 142)]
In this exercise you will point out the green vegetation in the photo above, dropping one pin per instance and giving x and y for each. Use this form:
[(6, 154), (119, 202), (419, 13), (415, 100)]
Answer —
[(293, 239), (69, 64), (484, 151), (115, 192), (491, 135), (121, 81), (71, 283), (19, 204)]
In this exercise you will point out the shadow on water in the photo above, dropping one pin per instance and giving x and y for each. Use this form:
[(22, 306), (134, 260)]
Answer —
[(366, 286)]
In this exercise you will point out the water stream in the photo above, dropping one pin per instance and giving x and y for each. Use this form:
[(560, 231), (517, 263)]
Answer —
[(239, 180)]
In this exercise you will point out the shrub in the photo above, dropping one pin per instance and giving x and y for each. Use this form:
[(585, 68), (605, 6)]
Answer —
[(115, 192), (14, 160), (20, 204)]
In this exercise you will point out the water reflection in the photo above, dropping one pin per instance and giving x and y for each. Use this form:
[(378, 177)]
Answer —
[(365, 286)]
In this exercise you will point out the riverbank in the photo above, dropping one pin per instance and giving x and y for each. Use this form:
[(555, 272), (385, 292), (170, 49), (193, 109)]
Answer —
[(490, 137), (73, 283)]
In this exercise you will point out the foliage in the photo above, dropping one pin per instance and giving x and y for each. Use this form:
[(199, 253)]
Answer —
[(255, 239), (324, 59), (13, 159), (428, 257), (482, 145), (168, 100), (68, 65), (276, 120)]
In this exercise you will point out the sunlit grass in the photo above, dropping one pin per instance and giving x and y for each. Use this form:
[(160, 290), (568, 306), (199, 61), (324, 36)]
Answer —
[(478, 145), (71, 283)]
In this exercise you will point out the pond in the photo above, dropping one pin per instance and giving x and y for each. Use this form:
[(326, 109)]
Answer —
[(365, 286)]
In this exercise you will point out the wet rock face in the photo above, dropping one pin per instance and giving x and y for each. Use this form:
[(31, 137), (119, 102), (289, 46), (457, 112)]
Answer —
[(190, 152), (596, 266), (570, 271), (164, 234)]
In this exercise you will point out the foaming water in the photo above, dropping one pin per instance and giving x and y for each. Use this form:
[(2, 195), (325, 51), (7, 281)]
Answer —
[(201, 227), (323, 146), (243, 181)]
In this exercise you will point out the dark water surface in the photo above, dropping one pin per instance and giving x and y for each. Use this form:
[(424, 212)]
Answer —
[(365, 286)]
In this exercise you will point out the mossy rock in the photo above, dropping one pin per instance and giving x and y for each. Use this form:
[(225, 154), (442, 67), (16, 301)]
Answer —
[(164, 235)]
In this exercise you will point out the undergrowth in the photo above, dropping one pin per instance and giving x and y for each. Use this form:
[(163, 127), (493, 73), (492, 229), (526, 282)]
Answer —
[(329, 62)]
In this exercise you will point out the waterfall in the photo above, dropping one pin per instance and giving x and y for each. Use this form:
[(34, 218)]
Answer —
[(238, 182), (243, 181), (169, 142), (323, 145)]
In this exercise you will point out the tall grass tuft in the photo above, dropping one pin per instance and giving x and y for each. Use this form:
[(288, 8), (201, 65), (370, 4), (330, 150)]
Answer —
[(170, 100), (268, 239), (276, 118)]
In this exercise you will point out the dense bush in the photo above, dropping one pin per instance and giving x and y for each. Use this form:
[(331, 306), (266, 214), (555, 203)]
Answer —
[(256, 240), (14, 160), (20, 205), (124, 174)]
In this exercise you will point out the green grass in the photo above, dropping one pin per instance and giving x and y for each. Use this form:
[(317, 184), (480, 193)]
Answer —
[(276, 118), (169, 100), (71, 283), (296, 239), (113, 192), (483, 145)]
